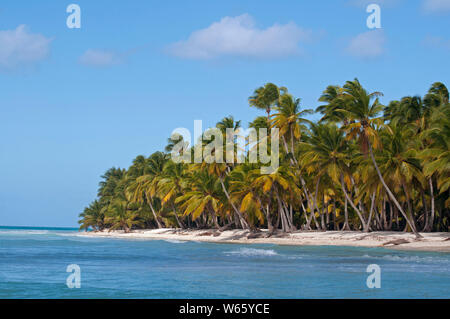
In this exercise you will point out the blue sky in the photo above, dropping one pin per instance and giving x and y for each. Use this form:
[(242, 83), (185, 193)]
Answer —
[(75, 102)]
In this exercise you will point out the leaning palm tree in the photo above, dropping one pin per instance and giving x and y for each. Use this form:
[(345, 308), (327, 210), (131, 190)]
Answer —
[(364, 107), (399, 163)]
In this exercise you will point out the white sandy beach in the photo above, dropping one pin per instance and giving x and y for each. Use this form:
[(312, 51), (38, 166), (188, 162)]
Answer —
[(405, 241)]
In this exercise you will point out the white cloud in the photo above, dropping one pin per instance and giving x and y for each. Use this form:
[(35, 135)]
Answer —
[(100, 58), (19, 47), (437, 6), (238, 36), (369, 44)]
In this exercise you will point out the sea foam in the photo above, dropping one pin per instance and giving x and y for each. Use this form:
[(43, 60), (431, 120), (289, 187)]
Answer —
[(250, 252), (174, 241), (416, 259), (24, 232)]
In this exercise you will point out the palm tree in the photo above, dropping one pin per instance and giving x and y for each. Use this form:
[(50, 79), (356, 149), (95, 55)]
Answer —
[(119, 217), (202, 196), (243, 190), (437, 95), (173, 141), (138, 168), (289, 121), (399, 162), (359, 107), (143, 188), (334, 97), (436, 157), (228, 123), (265, 97), (259, 122), (221, 170), (110, 182), (279, 183), (93, 216), (325, 153), (170, 186)]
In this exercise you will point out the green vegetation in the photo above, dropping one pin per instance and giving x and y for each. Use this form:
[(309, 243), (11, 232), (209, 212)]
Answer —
[(362, 166)]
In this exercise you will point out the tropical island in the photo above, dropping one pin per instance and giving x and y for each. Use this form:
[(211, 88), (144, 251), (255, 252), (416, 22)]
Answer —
[(363, 169)]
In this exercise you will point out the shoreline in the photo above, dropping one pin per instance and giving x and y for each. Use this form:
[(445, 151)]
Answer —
[(435, 242)]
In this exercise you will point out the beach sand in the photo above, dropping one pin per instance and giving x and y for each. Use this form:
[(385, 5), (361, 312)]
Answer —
[(439, 242)]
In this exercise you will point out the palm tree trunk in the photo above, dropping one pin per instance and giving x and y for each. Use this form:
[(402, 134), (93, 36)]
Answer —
[(346, 225), (269, 220), (306, 217), (288, 213), (322, 218), (292, 158), (431, 220), (176, 217), (284, 222), (149, 200), (367, 225), (315, 205), (277, 224), (385, 224), (350, 200), (408, 204), (335, 225), (425, 209), (377, 219), (214, 217), (390, 193), (292, 146), (310, 205), (241, 217), (266, 211)]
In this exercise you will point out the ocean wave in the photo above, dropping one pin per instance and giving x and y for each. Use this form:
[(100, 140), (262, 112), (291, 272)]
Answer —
[(416, 259), (24, 232), (174, 241), (68, 234), (250, 252)]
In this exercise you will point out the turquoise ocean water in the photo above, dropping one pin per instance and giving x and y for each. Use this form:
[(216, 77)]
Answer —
[(33, 264)]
